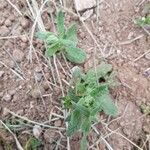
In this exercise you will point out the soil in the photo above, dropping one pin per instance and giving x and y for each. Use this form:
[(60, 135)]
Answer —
[(33, 89)]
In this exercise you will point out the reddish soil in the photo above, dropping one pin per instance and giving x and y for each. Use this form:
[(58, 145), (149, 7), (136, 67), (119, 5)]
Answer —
[(33, 90)]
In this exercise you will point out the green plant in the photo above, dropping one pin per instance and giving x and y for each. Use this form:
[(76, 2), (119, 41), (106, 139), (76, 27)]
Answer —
[(65, 40), (143, 21), (88, 96)]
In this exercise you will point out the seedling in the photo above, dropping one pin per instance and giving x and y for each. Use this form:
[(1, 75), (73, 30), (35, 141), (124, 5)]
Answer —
[(89, 95), (143, 21), (65, 40)]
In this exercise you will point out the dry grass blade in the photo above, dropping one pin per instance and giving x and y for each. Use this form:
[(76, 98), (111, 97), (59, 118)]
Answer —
[(14, 7), (16, 73), (16, 140), (30, 121)]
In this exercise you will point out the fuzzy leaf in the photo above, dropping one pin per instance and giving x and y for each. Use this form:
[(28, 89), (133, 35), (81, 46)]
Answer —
[(107, 105), (101, 71), (51, 39), (43, 35), (60, 24), (71, 34), (86, 125), (75, 55), (67, 43), (52, 49), (74, 123), (83, 144)]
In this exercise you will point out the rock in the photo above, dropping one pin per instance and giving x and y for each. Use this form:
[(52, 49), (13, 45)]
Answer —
[(38, 69), (24, 39), (4, 31), (147, 56), (85, 4), (1, 74), (51, 136), (38, 76), (87, 14), (18, 55), (7, 97), (36, 92), (24, 23), (37, 130), (57, 123), (45, 86), (8, 23), (12, 92)]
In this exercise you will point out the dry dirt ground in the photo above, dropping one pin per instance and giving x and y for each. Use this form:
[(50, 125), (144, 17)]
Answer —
[(31, 86)]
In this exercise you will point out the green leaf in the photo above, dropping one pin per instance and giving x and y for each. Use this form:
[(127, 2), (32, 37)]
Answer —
[(51, 39), (75, 55), (74, 123), (84, 111), (43, 35), (83, 144), (67, 43), (60, 24), (71, 34), (107, 105), (52, 49), (86, 125), (101, 71)]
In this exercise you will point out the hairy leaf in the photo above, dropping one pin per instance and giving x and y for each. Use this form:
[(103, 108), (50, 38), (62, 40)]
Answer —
[(60, 24), (43, 35), (52, 49), (74, 123), (75, 55), (71, 34)]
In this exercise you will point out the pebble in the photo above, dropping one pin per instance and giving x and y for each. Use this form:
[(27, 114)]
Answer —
[(24, 23), (37, 130), (38, 69), (51, 136), (36, 92), (24, 39), (57, 123), (18, 55), (38, 76), (11, 17), (1, 73), (147, 56), (12, 92), (7, 97), (8, 23), (45, 86), (4, 31)]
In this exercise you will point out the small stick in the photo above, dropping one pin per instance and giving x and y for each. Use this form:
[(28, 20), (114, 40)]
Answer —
[(17, 142), (141, 56), (30, 121), (15, 7)]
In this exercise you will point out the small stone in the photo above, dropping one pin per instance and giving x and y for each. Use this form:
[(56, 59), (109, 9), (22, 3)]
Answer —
[(51, 136), (7, 97), (1, 94), (8, 23), (147, 56), (85, 4), (87, 14), (37, 130), (24, 23), (24, 39), (38, 69), (57, 123), (11, 17), (20, 112), (18, 55), (36, 92), (1, 74), (146, 129), (45, 86), (4, 31), (12, 92), (38, 76)]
